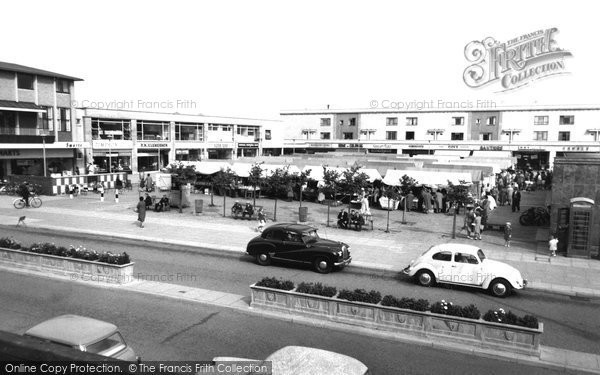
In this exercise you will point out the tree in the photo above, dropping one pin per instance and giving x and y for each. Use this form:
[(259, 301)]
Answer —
[(353, 181), (255, 178), (277, 184), (459, 195), (182, 175), (224, 179), (407, 184), (330, 181), (301, 179)]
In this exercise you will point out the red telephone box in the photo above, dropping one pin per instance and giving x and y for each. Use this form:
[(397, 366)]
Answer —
[(580, 227)]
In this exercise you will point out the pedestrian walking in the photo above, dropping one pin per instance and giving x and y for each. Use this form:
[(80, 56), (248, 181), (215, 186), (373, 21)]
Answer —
[(141, 210), (507, 234), (477, 227), (553, 245), (262, 220), (516, 200)]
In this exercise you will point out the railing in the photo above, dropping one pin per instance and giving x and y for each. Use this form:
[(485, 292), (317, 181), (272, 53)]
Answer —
[(24, 131)]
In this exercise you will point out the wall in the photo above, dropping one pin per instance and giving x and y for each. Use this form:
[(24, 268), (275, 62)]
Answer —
[(7, 85), (524, 120), (482, 127), (45, 91)]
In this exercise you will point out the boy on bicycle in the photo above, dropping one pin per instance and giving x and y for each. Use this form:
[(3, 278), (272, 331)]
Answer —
[(25, 193)]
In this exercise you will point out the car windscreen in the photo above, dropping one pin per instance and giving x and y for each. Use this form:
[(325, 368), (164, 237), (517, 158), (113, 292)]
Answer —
[(107, 346)]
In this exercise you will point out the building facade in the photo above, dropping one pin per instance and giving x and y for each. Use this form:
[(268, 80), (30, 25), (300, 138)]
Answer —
[(38, 131), (534, 135), (137, 141)]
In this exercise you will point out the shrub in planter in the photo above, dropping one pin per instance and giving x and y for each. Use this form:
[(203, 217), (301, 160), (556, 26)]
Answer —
[(406, 303), (448, 308), (316, 288), (360, 295), (501, 316), (271, 282), (9, 243)]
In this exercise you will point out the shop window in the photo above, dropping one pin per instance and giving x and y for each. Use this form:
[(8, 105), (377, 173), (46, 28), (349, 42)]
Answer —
[(391, 135), (25, 81)]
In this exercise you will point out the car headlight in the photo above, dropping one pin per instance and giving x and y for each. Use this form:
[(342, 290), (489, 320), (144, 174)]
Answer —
[(340, 253)]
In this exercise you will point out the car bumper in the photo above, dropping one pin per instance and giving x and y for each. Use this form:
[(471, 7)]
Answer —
[(406, 271), (344, 262)]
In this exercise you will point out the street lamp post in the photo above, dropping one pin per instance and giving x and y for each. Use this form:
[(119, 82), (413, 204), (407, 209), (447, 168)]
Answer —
[(110, 137), (44, 154)]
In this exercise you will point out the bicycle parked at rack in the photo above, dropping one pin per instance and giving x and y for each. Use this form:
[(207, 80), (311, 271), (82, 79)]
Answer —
[(34, 201), (538, 216)]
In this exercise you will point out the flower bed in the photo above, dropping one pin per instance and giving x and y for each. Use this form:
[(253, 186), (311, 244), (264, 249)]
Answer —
[(78, 263), (442, 320)]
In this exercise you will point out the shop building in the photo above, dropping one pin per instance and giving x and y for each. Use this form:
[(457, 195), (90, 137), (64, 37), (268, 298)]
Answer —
[(39, 134), (533, 135), (139, 142)]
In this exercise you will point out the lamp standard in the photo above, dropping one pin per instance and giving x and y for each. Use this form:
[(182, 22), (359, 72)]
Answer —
[(110, 137), (44, 154)]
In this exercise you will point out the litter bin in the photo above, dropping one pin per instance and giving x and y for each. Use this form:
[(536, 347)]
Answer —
[(302, 214), (198, 206)]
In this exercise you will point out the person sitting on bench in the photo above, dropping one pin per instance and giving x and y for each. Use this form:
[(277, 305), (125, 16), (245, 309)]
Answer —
[(162, 204)]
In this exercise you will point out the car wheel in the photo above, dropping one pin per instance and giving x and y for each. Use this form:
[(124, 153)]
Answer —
[(263, 258), (322, 265), (500, 288), (425, 278)]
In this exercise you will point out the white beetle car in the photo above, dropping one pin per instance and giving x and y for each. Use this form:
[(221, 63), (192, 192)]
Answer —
[(461, 264)]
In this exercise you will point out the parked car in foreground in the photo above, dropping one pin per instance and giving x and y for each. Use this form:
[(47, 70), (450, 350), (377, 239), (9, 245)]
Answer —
[(86, 334), (298, 243), (300, 360), (461, 264)]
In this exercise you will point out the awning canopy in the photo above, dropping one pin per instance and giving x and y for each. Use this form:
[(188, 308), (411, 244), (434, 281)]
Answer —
[(455, 153), (206, 167), (269, 169), (241, 169), (430, 178), (316, 171), (372, 173), (7, 105)]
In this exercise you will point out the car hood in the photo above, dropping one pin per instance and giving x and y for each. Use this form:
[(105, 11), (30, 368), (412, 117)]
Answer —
[(500, 269), (327, 243)]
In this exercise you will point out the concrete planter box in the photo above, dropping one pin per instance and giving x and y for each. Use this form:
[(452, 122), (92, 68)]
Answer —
[(77, 269), (423, 324)]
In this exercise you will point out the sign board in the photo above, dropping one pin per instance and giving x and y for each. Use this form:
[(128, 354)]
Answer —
[(153, 144), (248, 145), (104, 143)]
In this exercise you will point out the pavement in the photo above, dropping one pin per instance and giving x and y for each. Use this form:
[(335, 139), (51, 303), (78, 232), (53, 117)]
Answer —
[(384, 251)]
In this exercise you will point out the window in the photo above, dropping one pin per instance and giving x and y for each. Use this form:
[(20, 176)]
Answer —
[(325, 122), (486, 136), (268, 134), (326, 135), (188, 131), (445, 256), (540, 120), (465, 258), (246, 130), (540, 136), (391, 121), (25, 81), (114, 129), (353, 121), (478, 121), (341, 122), (390, 136), (293, 237), (50, 117), (458, 120), (62, 86), (491, 120), (412, 121), (410, 136), (564, 136), (348, 135), (457, 136), (152, 130), (220, 127), (566, 120), (111, 344), (63, 117)]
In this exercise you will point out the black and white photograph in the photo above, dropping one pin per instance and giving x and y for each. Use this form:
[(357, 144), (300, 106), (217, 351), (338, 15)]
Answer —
[(299, 188)]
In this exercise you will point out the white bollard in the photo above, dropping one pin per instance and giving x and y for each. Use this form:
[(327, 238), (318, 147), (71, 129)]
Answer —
[(116, 195), (102, 196)]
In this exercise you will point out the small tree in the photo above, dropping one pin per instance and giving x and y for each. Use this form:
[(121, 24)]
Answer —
[(301, 179), (353, 181), (182, 175), (223, 179), (330, 180), (407, 184), (391, 193), (459, 195), (277, 184), (255, 178)]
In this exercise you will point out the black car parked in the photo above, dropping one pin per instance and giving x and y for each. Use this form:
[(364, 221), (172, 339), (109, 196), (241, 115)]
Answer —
[(300, 244)]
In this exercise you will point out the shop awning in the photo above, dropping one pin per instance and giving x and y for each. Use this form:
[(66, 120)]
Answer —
[(7, 105), (453, 153), (429, 178)]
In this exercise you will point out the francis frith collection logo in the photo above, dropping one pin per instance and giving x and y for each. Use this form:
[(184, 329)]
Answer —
[(514, 63)]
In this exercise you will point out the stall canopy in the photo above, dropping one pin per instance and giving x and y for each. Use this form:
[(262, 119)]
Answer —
[(454, 153), (206, 167), (372, 173), (241, 169), (430, 178), (316, 171), (269, 169)]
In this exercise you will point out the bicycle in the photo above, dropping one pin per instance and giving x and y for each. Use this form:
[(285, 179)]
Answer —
[(34, 201)]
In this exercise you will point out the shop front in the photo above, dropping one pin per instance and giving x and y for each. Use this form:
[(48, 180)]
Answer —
[(531, 158), (247, 149), (152, 156), (30, 162), (189, 154), (221, 150), (110, 156)]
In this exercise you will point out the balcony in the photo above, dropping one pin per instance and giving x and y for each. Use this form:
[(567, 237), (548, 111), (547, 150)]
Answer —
[(25, 135), (23, 131)]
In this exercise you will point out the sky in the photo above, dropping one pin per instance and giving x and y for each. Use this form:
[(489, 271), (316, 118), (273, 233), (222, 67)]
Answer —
[(256, 58)]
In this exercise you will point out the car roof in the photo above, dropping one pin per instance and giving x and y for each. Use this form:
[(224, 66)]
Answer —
[(454, 247), (72, 330), (301, 360), (293, 227)]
